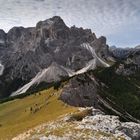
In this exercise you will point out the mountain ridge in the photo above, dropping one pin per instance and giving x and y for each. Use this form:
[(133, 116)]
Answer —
[(51, 69), (27, 51)]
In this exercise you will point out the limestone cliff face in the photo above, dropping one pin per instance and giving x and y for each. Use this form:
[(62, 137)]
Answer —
[(82, 91), (130, 65), (26, 51), (2, 38)]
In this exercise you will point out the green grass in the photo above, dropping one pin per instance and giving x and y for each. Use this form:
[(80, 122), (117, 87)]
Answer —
[(122, 90), (19, 115)]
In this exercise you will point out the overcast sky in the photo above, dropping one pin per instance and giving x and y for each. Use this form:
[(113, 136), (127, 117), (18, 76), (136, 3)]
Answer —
[(118, 20)]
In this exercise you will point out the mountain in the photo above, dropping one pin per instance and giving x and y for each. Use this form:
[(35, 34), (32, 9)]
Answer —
[(55, 72), (137, 47), (52, 74), (24, 52), (122, 53), (114, 89), (69, 82), (39, 57)]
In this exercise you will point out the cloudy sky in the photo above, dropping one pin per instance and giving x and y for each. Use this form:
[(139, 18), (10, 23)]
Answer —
[(118, 20)]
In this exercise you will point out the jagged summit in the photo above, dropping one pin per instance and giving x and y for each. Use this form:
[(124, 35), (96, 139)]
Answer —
[(54, 21), (27, 51)]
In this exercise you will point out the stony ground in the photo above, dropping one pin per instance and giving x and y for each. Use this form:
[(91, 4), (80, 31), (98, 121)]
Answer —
[(84, 126)]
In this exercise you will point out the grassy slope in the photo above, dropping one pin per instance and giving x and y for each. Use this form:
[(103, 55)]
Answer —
[(19, 115)]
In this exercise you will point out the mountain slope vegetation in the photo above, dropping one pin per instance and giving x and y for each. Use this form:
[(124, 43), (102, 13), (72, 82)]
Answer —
[(20, 115)]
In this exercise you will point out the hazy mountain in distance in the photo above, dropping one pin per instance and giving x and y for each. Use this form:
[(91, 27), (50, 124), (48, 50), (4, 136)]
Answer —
[(121, 53)]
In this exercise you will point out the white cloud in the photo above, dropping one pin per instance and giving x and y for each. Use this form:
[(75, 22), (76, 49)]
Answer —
[(104, 17)]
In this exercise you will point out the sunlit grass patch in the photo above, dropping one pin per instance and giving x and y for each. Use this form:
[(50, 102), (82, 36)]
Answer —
[(19, 115)]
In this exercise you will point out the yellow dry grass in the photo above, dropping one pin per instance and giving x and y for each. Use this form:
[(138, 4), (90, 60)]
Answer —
[(20, 115)]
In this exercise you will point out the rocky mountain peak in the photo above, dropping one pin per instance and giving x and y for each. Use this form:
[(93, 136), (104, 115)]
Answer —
[(15, 33), (31, 50), (137, 47), (102, 39), (53, 28), (2, 33), (54, 21), (2, 38)]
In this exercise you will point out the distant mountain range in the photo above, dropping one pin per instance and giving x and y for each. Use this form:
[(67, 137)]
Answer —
[(122, 53)]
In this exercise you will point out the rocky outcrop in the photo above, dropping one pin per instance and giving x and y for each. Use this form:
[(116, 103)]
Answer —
[(126, 70), (81, 91), (111, 124), (2, 38), (134, 58), (95, 126), (130, 65)]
